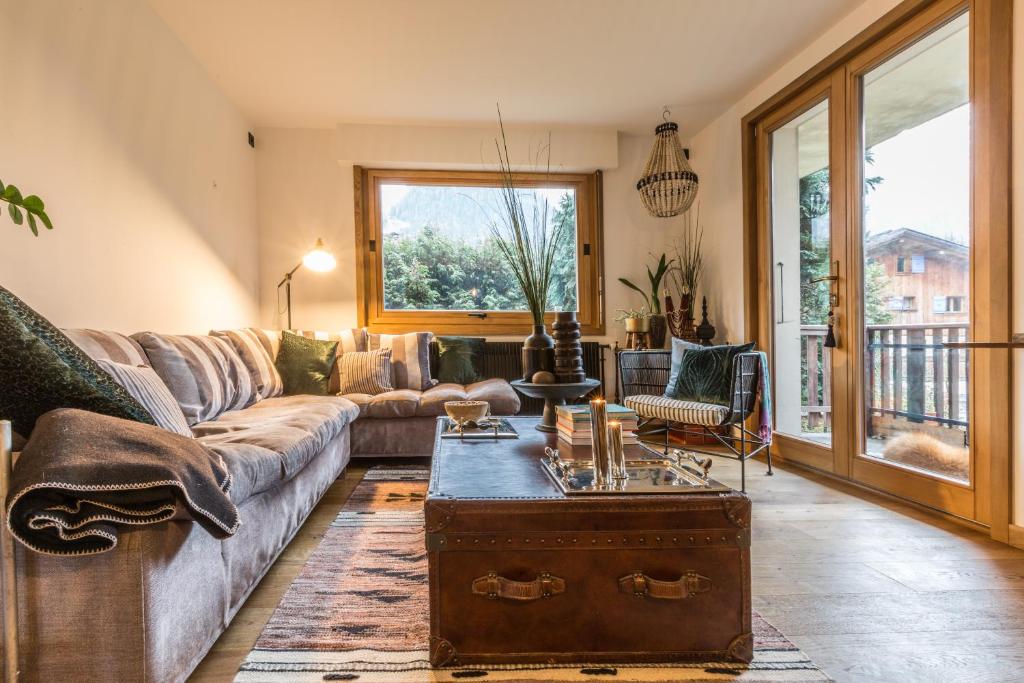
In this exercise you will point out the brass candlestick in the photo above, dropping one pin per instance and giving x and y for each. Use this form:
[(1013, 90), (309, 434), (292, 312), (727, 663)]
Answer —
[(599, 441), (618, 452)]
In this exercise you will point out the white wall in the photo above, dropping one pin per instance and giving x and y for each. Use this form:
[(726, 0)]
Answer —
[(717, 160), (143, 165), (305, 192)]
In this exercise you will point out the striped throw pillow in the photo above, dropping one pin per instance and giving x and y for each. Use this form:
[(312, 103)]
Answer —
[(366, 372), (147, 388), (355, 339), (410, 358), (258, 350), (205, 374), (106, 345)]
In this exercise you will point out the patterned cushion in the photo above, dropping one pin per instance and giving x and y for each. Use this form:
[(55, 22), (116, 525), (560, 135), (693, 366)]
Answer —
[(459, 359), (356, 339), (679, 347), (306, 364), (205, 374), (366, 372), (705, 374), (410, 358), (147, 388), (41, 369), (690, 412), (258, 349), (112, 346)]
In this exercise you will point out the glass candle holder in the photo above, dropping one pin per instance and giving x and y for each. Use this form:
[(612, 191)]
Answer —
[(599, 441), (618, 451)]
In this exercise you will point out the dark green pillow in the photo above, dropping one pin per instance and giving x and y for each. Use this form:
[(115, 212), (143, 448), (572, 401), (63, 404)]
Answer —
[(705, 374), (42, 370), (459, 359), (305, 364)]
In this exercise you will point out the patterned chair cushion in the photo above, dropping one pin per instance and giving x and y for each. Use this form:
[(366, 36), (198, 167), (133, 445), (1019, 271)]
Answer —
[(674, 410)]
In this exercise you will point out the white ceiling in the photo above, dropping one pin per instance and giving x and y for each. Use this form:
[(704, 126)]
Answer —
[(601, 63)]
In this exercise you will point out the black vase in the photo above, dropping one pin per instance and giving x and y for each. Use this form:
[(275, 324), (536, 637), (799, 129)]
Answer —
[(659, 326), (538, 353)]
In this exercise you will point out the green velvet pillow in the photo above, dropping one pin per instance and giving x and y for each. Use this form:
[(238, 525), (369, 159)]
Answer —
[(305, 364), (705, 374), (42, 370), (459, 359)]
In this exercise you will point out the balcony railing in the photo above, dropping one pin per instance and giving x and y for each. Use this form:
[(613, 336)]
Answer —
[(908, 373)]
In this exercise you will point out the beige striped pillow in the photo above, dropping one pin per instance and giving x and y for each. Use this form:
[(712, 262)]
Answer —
[(105, 345), (258, 350), (147, 388), (351, 340), (410, 358), (366, 372), (205, 374)]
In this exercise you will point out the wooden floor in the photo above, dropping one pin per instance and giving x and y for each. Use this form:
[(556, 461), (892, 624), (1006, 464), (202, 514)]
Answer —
[(871, 589)]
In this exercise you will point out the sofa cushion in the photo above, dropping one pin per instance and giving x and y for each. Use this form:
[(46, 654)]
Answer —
[(42, 369), (397, 403), (499, 393), (365, 372), (106, 345), (273, 440), (410, 358), (306, 364), (146, 387), (258, 349), (459, 358), (433, 399), (205, 374), (355, 339)]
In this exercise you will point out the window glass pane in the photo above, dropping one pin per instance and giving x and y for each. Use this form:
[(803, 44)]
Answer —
[(439, 251), (801, 252), (916, 208)]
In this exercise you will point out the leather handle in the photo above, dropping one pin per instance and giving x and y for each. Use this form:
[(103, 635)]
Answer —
[(642, 586), (493, 587)]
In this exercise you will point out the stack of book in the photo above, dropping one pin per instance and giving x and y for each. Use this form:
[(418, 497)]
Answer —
[(574, 423)]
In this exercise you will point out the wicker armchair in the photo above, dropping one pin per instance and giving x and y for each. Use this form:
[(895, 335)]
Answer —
[(643, 377)]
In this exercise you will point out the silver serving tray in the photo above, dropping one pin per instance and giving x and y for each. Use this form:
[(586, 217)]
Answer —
[(654, 474)]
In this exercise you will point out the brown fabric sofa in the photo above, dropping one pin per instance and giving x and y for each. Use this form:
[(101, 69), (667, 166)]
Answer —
[(150, 609)]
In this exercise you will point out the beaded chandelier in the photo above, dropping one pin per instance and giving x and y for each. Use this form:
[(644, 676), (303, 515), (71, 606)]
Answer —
[(668, 185)]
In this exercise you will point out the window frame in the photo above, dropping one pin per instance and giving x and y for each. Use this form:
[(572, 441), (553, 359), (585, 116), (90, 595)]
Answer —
[(369, 255)]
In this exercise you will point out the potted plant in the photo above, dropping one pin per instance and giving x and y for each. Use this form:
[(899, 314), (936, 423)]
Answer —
[(685, 277), (528, 237), (652, 300)]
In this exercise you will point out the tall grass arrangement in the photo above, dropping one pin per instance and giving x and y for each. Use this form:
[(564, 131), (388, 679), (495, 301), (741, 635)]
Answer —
[(689, 260), (522, 233)]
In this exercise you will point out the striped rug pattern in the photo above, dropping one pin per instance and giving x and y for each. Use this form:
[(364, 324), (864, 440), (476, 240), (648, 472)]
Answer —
[(358, 611)]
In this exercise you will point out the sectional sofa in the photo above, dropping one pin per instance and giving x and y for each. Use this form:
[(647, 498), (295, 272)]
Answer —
[(150, 609)]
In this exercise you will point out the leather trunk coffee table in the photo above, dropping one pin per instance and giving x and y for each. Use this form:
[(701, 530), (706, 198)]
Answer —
[(520, 572)]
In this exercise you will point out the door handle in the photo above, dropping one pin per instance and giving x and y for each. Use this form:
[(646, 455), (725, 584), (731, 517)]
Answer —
[(782, 293)]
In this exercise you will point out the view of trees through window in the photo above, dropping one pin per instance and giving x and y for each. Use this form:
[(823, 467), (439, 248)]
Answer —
[(439, 251)]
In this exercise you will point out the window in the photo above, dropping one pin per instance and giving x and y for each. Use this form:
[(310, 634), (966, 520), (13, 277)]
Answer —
[(917, 263), (901, 303), (947, 304), (428, 259), (901, 264)]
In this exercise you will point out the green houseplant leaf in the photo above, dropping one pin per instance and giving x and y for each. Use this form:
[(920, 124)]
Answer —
[(18, 207)]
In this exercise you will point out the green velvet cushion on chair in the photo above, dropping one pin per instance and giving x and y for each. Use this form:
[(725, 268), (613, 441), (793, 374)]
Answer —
[(705, 374), (459, 359), (305, 364), (42, 370)]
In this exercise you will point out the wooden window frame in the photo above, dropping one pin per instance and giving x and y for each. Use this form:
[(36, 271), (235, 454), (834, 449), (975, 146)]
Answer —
[(369, 256), (991, 49)]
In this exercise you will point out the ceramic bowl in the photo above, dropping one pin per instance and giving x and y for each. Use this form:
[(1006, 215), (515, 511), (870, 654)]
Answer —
[(463, 412)]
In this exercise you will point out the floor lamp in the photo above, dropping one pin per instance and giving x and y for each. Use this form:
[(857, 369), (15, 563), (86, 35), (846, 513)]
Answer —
[(319, 260)]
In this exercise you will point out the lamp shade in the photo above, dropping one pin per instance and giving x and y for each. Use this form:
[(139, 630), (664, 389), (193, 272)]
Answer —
[(668, 185), (319, 259)]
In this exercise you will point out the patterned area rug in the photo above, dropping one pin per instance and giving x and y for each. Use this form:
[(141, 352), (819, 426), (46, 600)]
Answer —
[(337, 623)]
